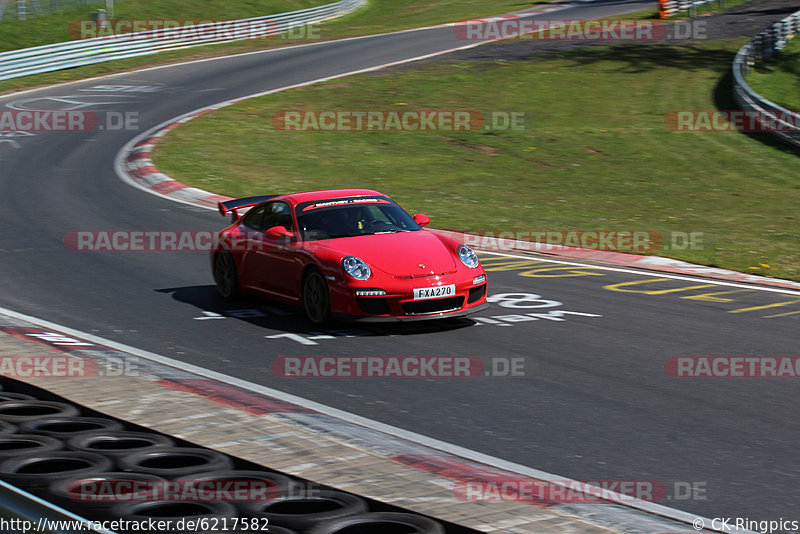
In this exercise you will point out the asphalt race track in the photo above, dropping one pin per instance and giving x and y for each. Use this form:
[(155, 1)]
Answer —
[(595, 402)]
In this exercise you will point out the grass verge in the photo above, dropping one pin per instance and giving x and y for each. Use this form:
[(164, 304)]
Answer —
[(594, 154), (52, 27)]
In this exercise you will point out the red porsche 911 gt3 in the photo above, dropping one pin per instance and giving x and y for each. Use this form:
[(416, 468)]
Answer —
[(348, 253)]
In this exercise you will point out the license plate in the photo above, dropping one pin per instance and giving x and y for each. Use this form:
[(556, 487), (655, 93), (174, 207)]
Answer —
[(424, 293)]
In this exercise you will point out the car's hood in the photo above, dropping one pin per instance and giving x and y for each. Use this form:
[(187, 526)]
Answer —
[(403, 254)]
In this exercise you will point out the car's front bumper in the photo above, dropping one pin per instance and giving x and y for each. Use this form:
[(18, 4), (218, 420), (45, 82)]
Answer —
[(412, 318), (398, 303)]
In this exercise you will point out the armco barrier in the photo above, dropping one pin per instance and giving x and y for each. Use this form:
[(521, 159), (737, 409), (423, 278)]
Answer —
[(762, 46), (667, 8), (47, 58)]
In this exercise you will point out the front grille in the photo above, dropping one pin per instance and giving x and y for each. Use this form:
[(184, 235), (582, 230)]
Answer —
[(422, 307), (374, 305), (476, 293)]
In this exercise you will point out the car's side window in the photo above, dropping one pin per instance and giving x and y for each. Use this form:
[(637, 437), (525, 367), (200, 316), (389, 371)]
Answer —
[(278, 214), (254, 218)]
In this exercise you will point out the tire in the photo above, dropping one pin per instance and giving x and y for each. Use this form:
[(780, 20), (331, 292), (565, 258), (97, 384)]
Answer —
[(298, 512), (24, 444), (226, 276), (118, 444), (8, 396), (36, 472), (175, 462), (316, 297), (273, 529), (65, 428), (22, 411), (275, 484), (174, 511), (71, 493), (380, 522), (7, 428)]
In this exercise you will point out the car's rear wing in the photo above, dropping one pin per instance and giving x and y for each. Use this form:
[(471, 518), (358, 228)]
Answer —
[(237, 203)]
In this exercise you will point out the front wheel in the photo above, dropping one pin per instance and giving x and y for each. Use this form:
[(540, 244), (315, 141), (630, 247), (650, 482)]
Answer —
[(225, 275), (316, 301)]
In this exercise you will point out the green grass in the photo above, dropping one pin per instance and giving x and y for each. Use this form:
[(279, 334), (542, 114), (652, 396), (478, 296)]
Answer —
[(779, 78), (595, 153), (378, 16), (52, 27)]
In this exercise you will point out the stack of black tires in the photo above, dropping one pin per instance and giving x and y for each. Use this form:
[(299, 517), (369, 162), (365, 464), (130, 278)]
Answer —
[(53, 449)]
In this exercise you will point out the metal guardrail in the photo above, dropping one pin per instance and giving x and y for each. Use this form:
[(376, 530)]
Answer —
[(48, 58), (762, 46), (667, 8)]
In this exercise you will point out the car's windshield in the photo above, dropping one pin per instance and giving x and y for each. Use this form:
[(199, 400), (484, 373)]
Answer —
[(349, 217)]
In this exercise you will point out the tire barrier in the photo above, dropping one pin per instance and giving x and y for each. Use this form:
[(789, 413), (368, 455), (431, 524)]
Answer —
[(383, 522), (301, 512), (35, 472), (22, 444), (212, 512), (104, 469), (83, 492), (6, 396), (273, 484), (29, 410), (174, 462), (273, 529), (65, 428), (118, 444)]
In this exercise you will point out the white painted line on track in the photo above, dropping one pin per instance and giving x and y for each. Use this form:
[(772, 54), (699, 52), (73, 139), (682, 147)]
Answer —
[(657, 274)]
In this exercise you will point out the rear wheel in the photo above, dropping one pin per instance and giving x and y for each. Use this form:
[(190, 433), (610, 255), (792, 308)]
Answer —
[(316, 301), (225, 275)]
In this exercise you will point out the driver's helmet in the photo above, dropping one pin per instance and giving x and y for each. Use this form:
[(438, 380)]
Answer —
[(356, 217)]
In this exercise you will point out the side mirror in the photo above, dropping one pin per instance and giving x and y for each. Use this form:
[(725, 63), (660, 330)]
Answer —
[(421, 219), (279, 232)]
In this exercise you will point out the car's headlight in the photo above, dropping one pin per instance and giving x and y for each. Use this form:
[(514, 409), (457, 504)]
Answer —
[(467, 256), (356, 267)]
